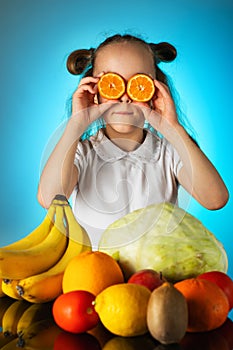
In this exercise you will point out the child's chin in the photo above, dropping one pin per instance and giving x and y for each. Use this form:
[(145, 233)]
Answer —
[(125, 122), (123, 128)]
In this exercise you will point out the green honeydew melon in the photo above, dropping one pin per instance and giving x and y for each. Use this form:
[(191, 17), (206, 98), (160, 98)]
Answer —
[(165, 238)]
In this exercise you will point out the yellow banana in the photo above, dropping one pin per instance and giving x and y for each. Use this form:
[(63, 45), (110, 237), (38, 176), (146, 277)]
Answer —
[(40, 335), (60, 199), (35, 313), (2, 294), (11, 317), (41, 288), (18, 264), (75, 231), (4, 304), (48, 285), (9, 288), (37, 235)]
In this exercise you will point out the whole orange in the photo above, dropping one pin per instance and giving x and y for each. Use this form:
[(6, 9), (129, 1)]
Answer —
[(208, 305), (91, 271)]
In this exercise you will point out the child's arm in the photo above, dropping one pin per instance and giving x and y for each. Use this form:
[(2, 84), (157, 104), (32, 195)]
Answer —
[(60, 175), (198, 175)]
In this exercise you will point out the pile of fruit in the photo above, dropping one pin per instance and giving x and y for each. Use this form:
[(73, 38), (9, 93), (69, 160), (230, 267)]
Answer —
[(32, 268), (53, 283), (144, 303)]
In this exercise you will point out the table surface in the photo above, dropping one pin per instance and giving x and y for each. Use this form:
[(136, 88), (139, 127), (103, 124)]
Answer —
[(50, 337)]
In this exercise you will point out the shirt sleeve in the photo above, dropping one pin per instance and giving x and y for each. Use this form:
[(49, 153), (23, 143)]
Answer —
[(78, 159), (177, 163), (174, 159), (82, 153)]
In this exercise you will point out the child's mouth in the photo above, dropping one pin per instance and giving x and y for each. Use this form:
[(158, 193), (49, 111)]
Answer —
[(123, 113)]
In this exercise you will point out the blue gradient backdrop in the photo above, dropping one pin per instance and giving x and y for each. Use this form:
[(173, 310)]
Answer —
[(36, 37)]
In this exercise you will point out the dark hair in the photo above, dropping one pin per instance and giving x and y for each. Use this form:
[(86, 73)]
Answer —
[(83, 60)]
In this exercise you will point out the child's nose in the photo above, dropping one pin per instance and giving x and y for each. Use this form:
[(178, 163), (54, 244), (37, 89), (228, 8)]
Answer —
[(125, 98)]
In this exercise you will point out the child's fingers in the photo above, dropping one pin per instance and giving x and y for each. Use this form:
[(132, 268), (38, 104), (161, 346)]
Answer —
[(88, 80), (88, 84), (91, 80), (92, 112), (162, 88), (83, 88), (100, 74)]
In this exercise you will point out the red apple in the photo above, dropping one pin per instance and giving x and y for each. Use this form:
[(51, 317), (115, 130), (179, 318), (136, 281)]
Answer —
[(223, 281), (148, 278)]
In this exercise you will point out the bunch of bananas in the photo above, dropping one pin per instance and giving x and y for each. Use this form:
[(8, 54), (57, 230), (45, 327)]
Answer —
[(32, 268), (26, 325)]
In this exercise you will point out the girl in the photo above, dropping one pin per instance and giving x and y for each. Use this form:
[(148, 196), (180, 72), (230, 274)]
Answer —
[(108, 159)]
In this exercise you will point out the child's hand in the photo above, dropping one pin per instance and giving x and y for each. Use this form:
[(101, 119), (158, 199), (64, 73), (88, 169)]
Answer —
[(84, 96), (163, 115), (85, 107)]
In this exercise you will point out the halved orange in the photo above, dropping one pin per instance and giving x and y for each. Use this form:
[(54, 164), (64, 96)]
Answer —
[(140, 88), (111, 86)]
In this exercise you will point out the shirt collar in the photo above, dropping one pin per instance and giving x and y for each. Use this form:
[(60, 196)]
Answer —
[(148, 151)]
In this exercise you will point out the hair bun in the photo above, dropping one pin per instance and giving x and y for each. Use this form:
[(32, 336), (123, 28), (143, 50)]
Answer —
[(164, 52), (79, 60)]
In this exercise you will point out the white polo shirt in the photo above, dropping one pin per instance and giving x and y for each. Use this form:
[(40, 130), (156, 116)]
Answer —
[(113, 182)]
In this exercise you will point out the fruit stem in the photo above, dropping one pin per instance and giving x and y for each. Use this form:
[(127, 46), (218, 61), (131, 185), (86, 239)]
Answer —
[(20, 290), (21, 342), (7, 334), (7, 280), (61, 197)]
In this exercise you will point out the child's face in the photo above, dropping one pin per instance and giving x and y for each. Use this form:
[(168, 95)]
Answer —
[(125, 59)]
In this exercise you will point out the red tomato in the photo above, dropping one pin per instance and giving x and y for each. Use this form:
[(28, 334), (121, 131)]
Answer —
[(70, 341), (74, 312), (223, 281)]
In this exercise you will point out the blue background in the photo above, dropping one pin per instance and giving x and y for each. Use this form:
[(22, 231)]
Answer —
[(36, 38)]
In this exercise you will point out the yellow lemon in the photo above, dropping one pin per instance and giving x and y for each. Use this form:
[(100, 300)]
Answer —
[(132, 343), (119, 343), (122, 308)]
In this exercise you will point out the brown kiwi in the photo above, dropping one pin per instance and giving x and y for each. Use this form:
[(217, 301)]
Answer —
[(167, 314)]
